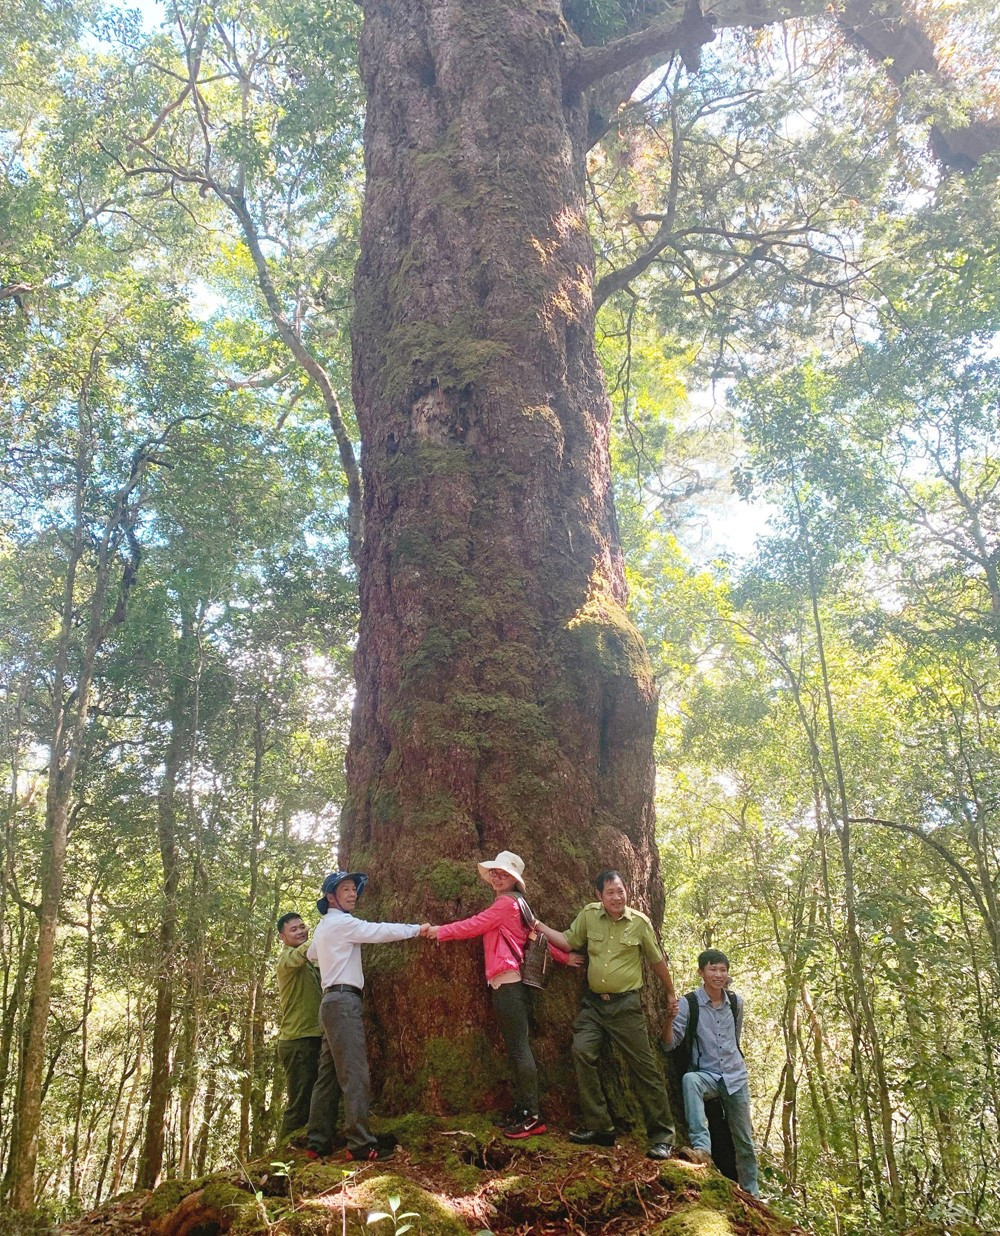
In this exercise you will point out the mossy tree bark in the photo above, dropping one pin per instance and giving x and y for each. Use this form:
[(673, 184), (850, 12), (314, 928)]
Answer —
[(505, 700)]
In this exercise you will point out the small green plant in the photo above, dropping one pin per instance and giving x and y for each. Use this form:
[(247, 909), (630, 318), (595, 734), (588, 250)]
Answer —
[(285, 1169), (346, 1174), (398, 1226), (258, 1194)]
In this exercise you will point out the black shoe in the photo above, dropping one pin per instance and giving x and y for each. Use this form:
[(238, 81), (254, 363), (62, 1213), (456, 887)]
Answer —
[(660, 1150), (511, 1117), (369, 1153), (593, 1137)]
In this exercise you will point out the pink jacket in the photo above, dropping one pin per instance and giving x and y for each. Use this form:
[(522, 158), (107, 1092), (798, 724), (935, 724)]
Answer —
[(504, 936)]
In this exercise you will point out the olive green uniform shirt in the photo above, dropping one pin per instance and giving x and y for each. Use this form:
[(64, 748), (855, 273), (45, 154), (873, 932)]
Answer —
[(299, 994), (615, 949)]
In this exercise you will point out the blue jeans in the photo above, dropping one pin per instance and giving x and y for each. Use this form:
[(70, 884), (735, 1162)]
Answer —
[(698, 1087)]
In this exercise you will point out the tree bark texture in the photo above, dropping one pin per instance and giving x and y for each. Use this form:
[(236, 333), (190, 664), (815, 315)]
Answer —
[(505, 700)]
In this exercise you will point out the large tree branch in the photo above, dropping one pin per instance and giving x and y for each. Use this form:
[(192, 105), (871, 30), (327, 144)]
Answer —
[(887, 32), (893, 37), (236, 203), (684, 30), (763, 247), (730, 14), (614, 88), (942, 851), (293, 341)]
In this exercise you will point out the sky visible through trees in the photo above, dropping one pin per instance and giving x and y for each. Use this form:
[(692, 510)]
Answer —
[(796, 279)]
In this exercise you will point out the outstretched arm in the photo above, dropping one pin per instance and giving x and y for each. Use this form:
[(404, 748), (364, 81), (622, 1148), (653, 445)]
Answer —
[(478, 925), (296, 958), (554, 937), (360, 931)]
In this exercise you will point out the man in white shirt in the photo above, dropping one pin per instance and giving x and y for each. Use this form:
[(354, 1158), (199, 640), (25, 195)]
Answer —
[(336, 949)]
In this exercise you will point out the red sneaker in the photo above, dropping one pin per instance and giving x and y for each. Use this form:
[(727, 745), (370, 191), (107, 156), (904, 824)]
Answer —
[(527, 1126)]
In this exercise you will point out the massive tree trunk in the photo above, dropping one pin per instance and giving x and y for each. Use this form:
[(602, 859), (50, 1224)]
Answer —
[(504, 697)]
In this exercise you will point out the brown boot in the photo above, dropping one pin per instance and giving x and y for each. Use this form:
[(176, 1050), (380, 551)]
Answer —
[(693, 1155)]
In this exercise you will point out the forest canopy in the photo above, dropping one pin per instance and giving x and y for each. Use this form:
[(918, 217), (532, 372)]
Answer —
[(796, 278)]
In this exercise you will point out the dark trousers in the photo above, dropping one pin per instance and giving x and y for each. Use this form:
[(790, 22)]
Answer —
[(324, 1103), (512, 1006), (622, 1024), (300, 1061), (343, 1072)]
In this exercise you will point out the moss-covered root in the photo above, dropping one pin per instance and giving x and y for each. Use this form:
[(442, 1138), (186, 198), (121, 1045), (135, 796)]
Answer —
[(351, 1201), (182, 1208)]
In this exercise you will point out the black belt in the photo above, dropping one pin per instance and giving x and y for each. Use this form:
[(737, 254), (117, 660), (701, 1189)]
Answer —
[(608, 996), (354, 991)]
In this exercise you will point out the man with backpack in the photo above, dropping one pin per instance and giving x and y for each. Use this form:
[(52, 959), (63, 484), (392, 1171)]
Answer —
[(707, 1027)]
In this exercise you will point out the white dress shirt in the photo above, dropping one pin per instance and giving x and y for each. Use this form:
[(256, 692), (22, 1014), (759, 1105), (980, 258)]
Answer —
[(337, 940)]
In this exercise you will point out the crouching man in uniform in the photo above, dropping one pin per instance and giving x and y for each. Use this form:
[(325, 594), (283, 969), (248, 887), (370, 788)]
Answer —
[(336, 949)]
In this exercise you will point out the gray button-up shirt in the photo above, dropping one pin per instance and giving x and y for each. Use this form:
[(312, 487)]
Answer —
[(715, 1048)]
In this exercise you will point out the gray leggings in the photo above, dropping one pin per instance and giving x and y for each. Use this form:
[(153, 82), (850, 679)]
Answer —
[(512, 1005)]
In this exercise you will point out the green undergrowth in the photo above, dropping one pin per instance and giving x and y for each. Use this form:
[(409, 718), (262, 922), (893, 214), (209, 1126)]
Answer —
[(458, 1175)]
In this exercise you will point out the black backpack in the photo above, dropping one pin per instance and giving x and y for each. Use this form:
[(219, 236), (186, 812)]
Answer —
[(685, 1048), (723, 1150)]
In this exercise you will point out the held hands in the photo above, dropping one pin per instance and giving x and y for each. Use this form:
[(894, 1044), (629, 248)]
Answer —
[(428, 931)]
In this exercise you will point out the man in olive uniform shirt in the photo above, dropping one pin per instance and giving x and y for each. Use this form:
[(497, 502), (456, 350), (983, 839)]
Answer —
[(617, 938), (300, 1036)]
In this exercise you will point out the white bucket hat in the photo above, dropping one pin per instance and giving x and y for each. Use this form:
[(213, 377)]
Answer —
[(506, 861)]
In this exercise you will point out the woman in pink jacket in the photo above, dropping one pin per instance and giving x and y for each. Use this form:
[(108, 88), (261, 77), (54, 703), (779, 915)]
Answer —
[(504, 936)]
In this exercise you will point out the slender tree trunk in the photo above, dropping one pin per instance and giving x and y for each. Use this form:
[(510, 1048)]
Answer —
[(182, 723), (121, 1149), (12, 1012), (259, 1130), (827, 1115), (81, 1093), (116, 546), (789, 1096), (250, 935), (841, 816), (207, 1112), (128, 1068), (188, 1071), (505, 700)]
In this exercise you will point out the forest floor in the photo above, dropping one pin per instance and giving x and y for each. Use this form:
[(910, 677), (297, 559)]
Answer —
[(449, 1177)]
